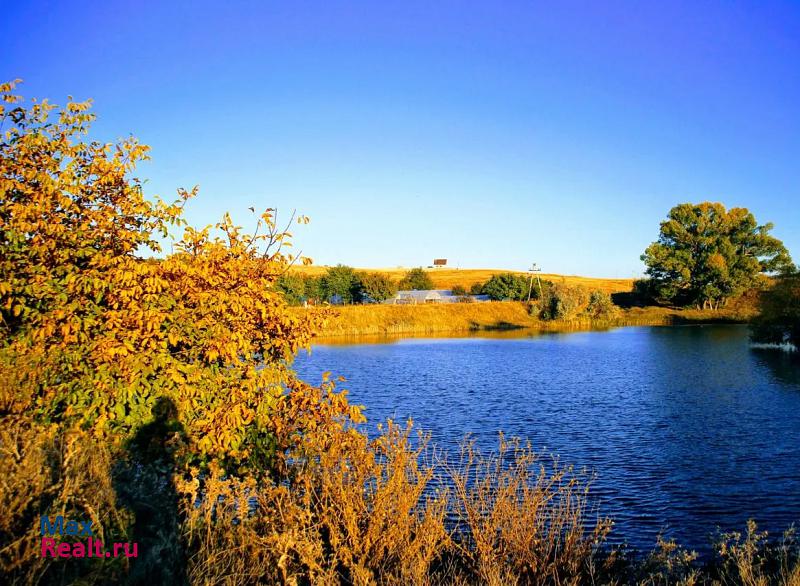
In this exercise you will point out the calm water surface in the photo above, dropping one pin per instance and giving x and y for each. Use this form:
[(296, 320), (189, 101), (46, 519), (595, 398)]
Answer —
[(687, 428)]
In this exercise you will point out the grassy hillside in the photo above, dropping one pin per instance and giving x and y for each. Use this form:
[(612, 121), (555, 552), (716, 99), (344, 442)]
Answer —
[(447, 278)]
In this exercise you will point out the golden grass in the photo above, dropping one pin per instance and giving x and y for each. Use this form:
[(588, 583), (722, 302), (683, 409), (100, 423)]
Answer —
[(455, 318), (352, 320), (447, 278), (387, 510)]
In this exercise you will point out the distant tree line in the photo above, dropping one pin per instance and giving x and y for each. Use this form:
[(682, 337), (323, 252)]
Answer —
[(339, 284), (342, 284), (345, 285)]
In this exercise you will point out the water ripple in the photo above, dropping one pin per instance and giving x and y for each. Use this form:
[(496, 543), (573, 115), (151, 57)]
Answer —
[(687, 429)]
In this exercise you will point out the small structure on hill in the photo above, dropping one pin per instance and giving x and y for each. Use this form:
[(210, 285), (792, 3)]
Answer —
[(439, 263), (417, 297)]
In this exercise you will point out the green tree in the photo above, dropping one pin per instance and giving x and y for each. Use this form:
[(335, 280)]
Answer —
[(416, 280), (706, 254), (507, 286), (459, 290), (293, 287), (376, 287), (476, 289), (315, 289), (341, 281)]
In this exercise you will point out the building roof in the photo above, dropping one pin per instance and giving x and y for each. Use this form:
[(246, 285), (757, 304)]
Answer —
[(424, 294)]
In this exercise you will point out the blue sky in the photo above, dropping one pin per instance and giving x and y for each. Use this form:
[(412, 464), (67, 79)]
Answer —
[(494, 134)]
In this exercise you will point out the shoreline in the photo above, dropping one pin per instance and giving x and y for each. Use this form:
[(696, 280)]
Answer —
[(359, 321)]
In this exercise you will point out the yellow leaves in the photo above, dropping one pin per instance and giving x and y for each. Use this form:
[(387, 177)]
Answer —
[(115, 332), (177, 377)]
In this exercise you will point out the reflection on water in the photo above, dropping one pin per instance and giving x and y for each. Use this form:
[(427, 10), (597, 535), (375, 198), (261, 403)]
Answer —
[(686, 428), (492, 334), (785, 366)]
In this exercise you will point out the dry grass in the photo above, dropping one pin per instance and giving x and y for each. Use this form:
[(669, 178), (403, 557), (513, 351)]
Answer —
[(376, 512), (428, 319), (45, 471), (523, 521), (447, 278), (455, 318), (353, 510), (750, 560)]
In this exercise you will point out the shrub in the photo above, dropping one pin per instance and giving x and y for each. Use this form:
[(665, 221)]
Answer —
[(96, 340), (416, 280), (476, 289), (601, 306), (645, 292), (459, 290), (563, 302), (779, 319), (507, 286)]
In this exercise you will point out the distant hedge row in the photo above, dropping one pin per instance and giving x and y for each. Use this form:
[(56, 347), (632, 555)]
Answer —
[(343, 284)]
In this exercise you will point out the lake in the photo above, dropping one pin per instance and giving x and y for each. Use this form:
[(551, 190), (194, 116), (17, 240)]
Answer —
[(687, 429)]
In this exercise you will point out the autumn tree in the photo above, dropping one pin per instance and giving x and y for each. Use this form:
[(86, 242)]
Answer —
[(416, 280), (706, 254), (104, 332), (111, 359)]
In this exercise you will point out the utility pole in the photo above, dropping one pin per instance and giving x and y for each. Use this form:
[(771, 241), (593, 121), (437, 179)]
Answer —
[(534, 269)]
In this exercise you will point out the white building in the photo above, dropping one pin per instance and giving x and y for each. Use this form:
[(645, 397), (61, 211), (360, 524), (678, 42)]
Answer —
[(429, 296)]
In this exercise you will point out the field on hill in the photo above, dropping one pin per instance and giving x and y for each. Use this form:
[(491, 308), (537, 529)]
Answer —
[(447, 278)]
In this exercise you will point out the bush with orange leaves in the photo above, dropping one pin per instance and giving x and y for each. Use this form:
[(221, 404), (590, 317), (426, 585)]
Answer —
[(180, 361)]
